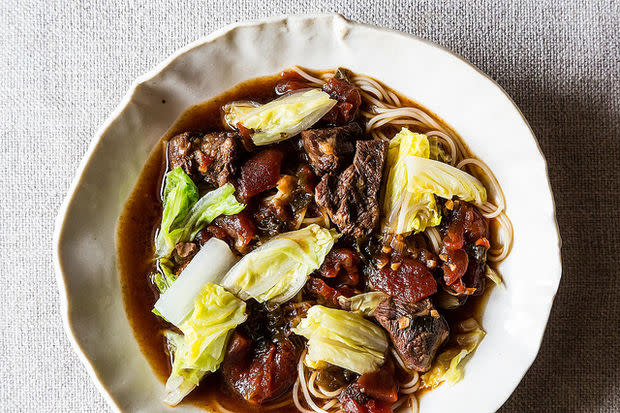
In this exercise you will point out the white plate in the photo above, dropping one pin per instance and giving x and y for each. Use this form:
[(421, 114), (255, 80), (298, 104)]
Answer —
[(475, 106)]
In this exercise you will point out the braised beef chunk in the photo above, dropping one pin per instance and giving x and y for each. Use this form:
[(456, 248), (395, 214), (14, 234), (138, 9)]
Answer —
[(341, 265), (325, 294), (284, 210), (417, 330), (259, 373), (380, 384), (351, 199), (210, 157), (331, 149), (353, 400), (238, 227), (261, 361), (348, 96), (180, 151)]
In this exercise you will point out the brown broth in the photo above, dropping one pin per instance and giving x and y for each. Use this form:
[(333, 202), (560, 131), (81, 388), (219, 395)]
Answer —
[(135, 247)]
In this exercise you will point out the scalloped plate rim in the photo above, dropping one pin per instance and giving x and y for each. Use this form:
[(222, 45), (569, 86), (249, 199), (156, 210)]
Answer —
[(158, 69)]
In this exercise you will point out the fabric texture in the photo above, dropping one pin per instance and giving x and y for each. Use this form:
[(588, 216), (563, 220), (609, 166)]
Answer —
[(66, 65)]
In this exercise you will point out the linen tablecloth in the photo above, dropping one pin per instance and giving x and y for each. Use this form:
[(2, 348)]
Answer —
[(66, 65)]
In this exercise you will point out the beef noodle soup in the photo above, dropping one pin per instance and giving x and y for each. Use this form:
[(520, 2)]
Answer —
[(310, 241)]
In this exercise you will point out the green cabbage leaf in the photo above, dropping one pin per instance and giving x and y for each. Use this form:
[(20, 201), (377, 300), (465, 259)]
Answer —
[(180, 194), (201, 348), (343, 339), (278, 269), (441, 179), (406, 209), (448, 366), (365, 303), (184, 215), (413, 181), (164, 277), (282, 118)]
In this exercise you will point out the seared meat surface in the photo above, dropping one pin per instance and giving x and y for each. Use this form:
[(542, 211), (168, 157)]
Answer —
[(211, 157), (331, 149), (351, 199), (417, 330)]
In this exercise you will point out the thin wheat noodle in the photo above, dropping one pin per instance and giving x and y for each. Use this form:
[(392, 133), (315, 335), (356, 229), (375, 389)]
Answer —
[(304, 388), (307, 76), (410, 122), (398, 403), (296, 398), (506, 226), (300, 219), (413, 381), (410, 390), (487, 171), (394, 97), (433, 235), (405, 111), (490, 211), (357, 80), (372, 99), (371, 90), (334, 393), (413, 402), (314, 391), (330, 404), (315, 220), (395, 121), (375, 134)]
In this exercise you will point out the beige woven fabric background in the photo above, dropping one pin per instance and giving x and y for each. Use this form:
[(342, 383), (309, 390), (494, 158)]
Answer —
[(65, 66)]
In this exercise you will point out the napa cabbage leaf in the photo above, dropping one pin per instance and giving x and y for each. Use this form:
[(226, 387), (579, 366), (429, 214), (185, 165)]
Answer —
[(448, 365), (343, 339), (184, 215), (201, 348), (282, 118), (405, 209), (279, 268)]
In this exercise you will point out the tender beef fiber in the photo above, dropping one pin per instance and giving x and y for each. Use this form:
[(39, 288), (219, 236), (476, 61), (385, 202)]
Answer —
[(417, 330), (211, 157), (351, 199), (331, 149)]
